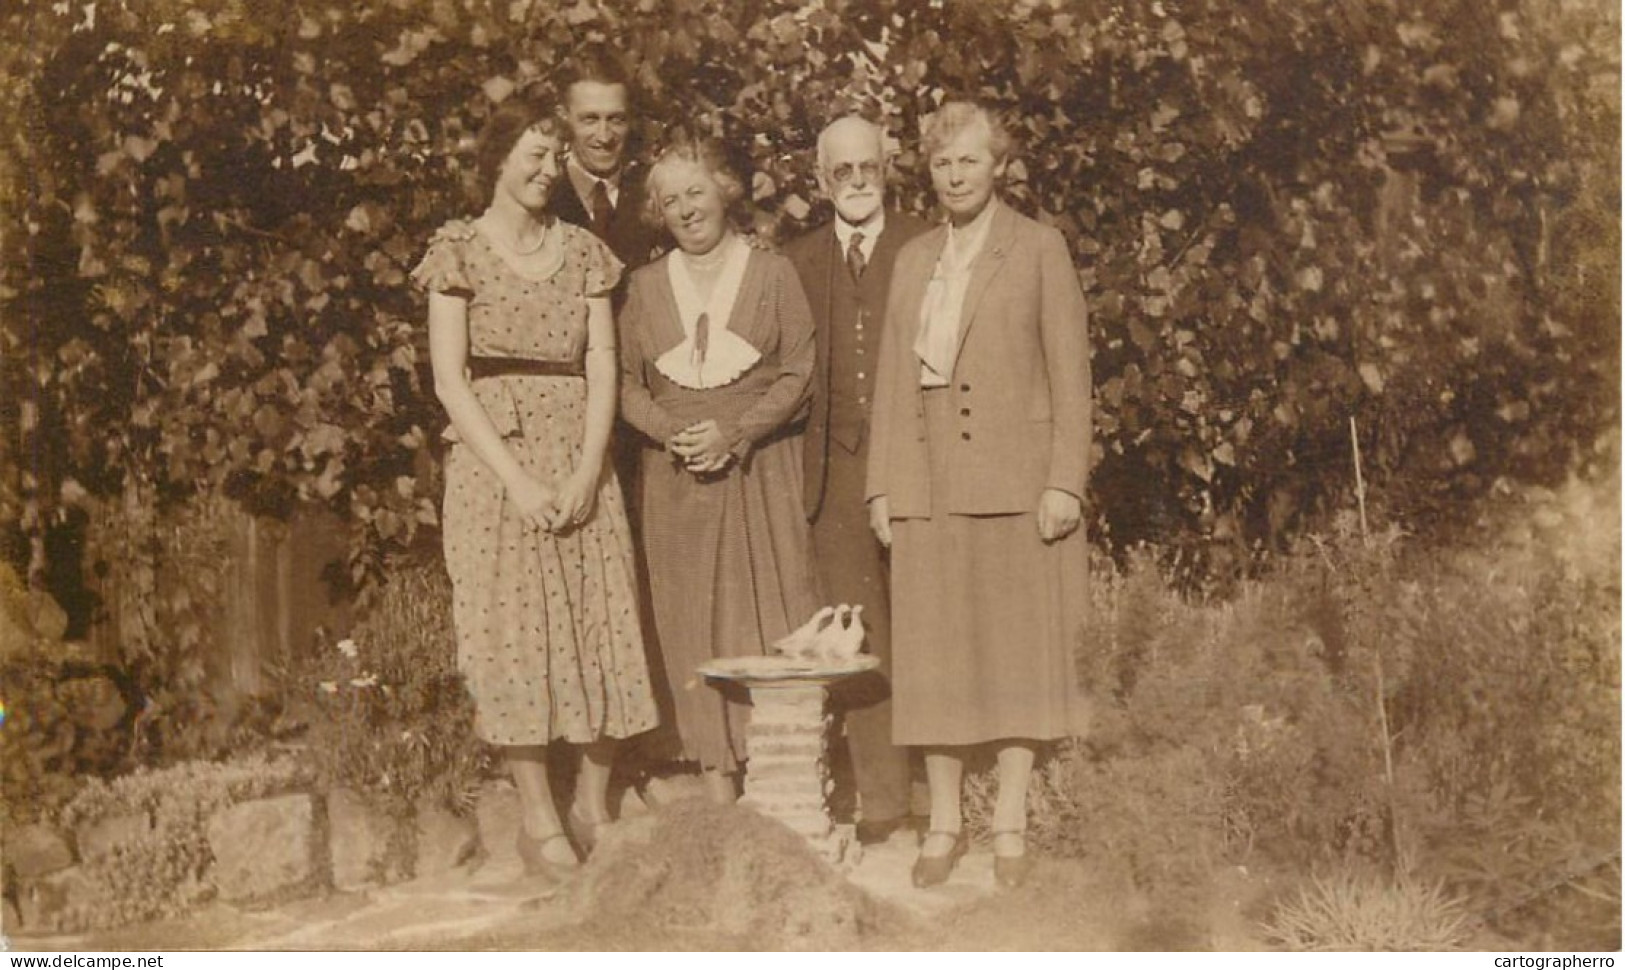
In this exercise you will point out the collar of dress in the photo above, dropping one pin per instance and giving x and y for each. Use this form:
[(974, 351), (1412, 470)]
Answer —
[(710, 355)]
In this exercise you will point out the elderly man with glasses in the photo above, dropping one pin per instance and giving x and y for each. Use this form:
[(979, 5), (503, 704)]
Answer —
[(845, 266)]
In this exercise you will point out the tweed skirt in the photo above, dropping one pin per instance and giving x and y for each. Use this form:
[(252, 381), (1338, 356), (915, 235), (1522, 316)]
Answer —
[(987, 620)]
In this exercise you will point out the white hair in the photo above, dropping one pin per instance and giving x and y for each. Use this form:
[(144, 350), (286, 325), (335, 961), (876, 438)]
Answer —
[(878, 132)]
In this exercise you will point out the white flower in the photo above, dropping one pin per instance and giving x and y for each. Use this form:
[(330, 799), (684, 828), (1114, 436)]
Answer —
[(328, 687), (366, 680), (348, 648)]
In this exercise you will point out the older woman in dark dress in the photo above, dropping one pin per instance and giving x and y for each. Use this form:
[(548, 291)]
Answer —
[(717, 360), (977, 471)]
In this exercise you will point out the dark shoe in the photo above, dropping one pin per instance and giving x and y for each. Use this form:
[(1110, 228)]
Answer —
[(933, 870), (537, 864), (1010, 871)]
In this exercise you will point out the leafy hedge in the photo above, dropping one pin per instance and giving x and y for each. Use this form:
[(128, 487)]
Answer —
[(1402, 214)]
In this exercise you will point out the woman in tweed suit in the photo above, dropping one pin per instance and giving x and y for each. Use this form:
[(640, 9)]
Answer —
[(717, 360), (978, 465)]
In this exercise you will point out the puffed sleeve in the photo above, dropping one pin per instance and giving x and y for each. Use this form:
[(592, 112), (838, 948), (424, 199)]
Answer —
[(603, 269), (442, 269)]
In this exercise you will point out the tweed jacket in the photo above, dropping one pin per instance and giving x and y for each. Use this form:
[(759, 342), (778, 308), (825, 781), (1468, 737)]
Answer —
[(632, 240), (1020, 385), (817, 256)]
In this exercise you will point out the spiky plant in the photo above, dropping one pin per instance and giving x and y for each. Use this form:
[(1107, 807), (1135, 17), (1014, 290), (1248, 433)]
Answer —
[(1348, 912)]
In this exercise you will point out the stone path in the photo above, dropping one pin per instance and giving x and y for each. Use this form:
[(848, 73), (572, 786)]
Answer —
[(473, 903)]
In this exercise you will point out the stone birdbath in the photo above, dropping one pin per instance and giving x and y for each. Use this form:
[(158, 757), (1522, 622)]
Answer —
[(787, 742)]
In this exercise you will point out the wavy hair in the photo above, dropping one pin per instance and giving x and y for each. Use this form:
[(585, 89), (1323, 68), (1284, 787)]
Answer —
[(707, 153), (954, 117), (503, 130)]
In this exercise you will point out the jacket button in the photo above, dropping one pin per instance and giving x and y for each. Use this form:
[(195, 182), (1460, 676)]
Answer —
[(965, 435), (964, 387), (964, 412)]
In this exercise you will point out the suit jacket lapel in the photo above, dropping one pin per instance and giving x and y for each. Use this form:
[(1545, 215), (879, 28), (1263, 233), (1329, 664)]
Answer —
[(567, 204), (824, 266), (988, 263)]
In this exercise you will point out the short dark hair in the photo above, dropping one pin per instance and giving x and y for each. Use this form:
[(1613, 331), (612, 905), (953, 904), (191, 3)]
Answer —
[(591, 64), (503, 130), (707, 153)]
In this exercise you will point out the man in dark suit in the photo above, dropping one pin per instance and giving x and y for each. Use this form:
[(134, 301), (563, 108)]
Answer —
[(845, 267), (601, 191)]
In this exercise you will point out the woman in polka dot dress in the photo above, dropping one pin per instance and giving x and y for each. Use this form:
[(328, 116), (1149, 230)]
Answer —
[(523, 348)]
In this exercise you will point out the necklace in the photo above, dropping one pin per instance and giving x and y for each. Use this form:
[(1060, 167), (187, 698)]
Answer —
[(514, 247)]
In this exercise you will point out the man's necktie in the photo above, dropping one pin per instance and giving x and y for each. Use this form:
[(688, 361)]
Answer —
[(854, 256), (601, 209)]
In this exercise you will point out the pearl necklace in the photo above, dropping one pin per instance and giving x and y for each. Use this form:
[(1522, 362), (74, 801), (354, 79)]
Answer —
[(541, 240)]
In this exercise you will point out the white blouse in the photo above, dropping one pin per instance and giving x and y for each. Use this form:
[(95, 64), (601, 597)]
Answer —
[(942, 310), (710, 355)]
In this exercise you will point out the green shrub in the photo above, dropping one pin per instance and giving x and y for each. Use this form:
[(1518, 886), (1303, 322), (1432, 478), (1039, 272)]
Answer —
[(162, 873), (387, 711)]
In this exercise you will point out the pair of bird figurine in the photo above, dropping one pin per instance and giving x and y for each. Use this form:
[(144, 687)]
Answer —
[(833, 635)]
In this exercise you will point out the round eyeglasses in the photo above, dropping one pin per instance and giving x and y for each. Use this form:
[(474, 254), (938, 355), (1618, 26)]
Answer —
[(846, 172)]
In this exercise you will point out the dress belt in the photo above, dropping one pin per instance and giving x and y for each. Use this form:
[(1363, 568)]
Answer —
[(479, 367)]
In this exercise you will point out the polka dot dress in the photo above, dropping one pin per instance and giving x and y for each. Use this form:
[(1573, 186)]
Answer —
[(547, 623)]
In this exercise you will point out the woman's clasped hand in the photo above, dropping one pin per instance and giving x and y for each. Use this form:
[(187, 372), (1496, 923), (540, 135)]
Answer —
[(702, 448)]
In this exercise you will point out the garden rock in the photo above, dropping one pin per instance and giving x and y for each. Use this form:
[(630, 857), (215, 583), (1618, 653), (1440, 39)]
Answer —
[(726, 869), (663, 791), (34, 850), (56, 901), (262, 848), (104, 836), (359, 839), (445, 840)]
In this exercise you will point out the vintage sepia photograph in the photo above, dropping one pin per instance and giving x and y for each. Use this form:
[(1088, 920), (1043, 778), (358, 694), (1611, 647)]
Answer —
[(504, 476)]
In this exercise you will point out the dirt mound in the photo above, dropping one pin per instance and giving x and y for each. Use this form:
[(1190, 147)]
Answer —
[(714, 869)]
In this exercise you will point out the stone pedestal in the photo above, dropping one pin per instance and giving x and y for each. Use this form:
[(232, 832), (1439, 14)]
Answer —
[(787, 744)]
